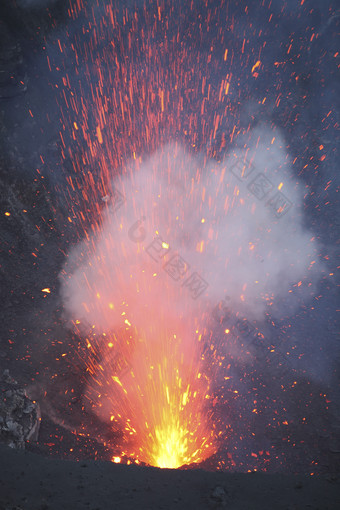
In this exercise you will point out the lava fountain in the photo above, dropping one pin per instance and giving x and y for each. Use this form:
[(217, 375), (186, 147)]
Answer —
[(176, 231), (133, 286), (176, 235)]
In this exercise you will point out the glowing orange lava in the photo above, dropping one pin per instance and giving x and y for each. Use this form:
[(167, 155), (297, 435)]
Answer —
[(134, 287), (156, 394), (145, 366)]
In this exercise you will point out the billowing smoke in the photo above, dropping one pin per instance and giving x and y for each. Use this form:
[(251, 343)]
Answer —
[(179, 233), (207, 229)]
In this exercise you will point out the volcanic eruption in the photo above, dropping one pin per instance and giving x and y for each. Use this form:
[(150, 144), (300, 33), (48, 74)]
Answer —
[(177, 233)]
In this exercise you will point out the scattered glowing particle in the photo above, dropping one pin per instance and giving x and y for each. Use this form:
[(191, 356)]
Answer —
[(46, 290), (99, 135), (7, 214), (165, 246), (116, 379), (117, 460), (202, 220), (110, 344), (255, 66), (200, 246)]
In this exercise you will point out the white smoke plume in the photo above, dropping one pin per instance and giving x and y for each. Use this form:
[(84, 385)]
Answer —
[(202, 229)]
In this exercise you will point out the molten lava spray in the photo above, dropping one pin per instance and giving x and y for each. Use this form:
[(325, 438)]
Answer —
[(178, 233)]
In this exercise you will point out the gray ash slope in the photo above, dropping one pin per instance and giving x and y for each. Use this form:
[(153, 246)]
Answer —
[(31, 482)]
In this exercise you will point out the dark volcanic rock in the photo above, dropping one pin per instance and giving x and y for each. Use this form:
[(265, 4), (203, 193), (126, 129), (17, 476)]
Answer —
[(19, 416)]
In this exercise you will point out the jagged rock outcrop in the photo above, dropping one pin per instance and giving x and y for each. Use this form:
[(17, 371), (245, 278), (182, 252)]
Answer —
[(19, 416)]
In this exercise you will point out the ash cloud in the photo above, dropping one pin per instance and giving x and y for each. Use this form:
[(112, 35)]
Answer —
[(225, 223)]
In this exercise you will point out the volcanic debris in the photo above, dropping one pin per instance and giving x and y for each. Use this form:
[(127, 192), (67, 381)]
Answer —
[(19, 416)]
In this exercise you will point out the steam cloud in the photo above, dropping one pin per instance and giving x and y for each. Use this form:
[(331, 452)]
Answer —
[(230, 239), (188, 232)]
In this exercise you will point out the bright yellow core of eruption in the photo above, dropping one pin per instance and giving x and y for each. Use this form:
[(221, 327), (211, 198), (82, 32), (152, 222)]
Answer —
[(171, 448), (178, 439), (160, 403)]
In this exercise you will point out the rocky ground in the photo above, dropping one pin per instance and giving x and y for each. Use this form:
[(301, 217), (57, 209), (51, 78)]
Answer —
[(31, 482)]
